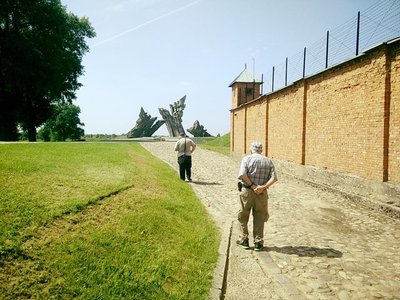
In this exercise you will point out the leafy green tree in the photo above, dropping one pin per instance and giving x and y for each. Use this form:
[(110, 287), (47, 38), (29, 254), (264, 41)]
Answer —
[(64, 124), (45, 132), (41, 50)]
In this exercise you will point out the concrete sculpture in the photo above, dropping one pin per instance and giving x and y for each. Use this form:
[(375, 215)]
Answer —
[(145, 126), (198, 130), (173, 119)]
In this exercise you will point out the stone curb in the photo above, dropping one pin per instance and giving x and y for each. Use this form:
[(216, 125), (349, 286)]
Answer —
[(218, 285)]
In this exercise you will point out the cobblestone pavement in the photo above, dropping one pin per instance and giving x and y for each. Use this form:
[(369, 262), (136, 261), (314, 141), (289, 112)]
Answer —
[(318, 245)]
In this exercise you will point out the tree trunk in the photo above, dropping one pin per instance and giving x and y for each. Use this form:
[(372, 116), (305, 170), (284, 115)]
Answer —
[(31, 133)]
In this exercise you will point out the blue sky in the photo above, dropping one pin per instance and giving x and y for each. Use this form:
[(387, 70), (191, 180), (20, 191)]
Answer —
[(150, 53)]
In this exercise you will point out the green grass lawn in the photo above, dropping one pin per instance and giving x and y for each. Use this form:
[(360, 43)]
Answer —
[(100, 221), (217, 144)]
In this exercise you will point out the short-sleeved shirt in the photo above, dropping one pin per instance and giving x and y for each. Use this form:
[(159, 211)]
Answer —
[(180, 146), (258, 168)]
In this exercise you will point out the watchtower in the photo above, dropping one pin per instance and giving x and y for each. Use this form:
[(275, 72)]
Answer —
[(245, 87)]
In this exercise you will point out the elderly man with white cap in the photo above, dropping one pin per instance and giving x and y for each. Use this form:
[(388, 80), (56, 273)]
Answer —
[(256, 175)]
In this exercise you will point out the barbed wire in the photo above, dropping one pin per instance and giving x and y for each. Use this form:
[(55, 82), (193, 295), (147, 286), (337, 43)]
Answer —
[(377, 24)]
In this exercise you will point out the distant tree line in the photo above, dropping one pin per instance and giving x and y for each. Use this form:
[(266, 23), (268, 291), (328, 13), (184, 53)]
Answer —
[(41, 50)]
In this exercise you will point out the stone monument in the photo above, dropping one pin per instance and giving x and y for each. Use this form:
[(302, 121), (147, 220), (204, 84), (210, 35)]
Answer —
[(198, 130), (145, 126), (173, 119)]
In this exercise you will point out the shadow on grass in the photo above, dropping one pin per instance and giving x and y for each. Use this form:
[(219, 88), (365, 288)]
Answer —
[(306, 251), (12, 254), (206, 183)]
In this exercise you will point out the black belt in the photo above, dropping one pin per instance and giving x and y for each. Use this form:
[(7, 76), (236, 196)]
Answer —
[(246, 186)]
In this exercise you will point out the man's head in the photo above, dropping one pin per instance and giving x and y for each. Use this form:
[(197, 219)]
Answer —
[(256, 147), (182, 134)]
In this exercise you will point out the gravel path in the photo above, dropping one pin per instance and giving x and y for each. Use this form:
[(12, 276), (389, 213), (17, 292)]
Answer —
[(318, 245)]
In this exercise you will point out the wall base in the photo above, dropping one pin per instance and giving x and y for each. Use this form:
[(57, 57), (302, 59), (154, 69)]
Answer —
[(381, 196)]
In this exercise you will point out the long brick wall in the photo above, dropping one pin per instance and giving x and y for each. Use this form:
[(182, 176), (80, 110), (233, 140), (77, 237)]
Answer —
[(394, 127), (256, 122), (285, 124), (345, 119), (345, 110), (238, 130)]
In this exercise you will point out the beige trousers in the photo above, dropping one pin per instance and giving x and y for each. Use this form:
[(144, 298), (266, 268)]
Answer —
[(250, 201)]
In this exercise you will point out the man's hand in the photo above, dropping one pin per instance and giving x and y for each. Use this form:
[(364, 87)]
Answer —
[(260, 189)]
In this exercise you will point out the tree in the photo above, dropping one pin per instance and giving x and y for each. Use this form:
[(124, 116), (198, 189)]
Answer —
[(64, 124), (41, 50)]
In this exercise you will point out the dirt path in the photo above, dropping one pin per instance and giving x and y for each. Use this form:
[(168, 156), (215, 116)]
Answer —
[(318, 244)]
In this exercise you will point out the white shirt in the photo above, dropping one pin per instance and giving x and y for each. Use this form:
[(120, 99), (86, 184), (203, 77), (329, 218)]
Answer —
[(180, 146)]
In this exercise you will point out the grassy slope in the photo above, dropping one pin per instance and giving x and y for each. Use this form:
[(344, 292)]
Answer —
[(152, 240), (219, 144), (42, 181)]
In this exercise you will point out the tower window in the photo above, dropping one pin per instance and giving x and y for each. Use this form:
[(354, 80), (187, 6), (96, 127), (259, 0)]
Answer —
[(249, 91)]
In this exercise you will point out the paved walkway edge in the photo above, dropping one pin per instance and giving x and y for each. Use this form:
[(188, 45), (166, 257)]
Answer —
[(218, 286)]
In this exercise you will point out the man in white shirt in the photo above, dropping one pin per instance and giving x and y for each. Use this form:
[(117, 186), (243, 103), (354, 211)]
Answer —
[(185, 148)]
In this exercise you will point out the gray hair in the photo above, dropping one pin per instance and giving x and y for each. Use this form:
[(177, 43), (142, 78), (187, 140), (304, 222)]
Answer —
[(256, 147)]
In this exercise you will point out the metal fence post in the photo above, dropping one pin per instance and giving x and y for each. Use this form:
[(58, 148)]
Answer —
[(304, 62), (358, 33), (273, 77), (327, 49), (262, 83), (286, 71)]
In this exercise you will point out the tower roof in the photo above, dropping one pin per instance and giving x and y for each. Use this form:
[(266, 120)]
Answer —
[(245, 77)]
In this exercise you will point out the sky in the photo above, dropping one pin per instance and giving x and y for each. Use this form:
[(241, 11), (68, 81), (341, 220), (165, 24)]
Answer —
[(150, 53)]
